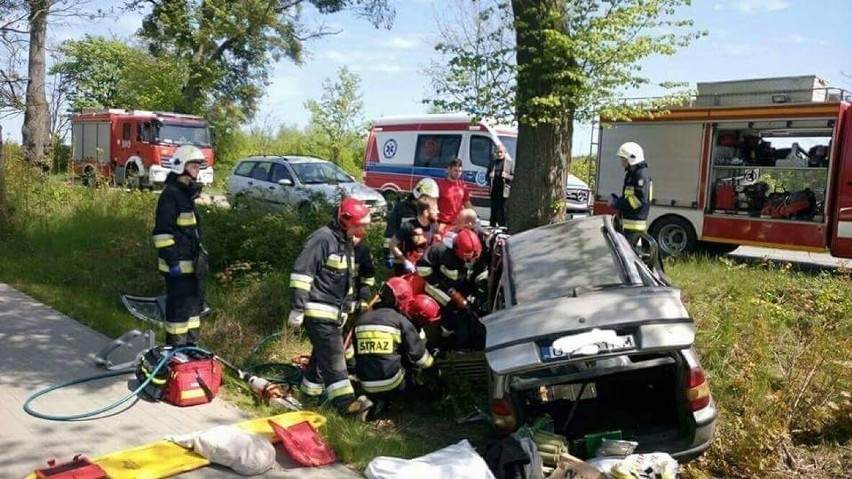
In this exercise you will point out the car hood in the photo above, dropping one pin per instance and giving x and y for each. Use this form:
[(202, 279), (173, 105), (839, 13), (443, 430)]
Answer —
[(353, 189), (574, 183), (654, 316)]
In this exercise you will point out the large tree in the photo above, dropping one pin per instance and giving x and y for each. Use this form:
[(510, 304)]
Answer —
[(98, 72), (577, 58), (228, 46), (338, 116), (476, 66), (35, 132)]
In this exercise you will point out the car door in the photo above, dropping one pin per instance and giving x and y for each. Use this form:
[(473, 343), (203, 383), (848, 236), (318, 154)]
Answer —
[(285, 194), (257, 185)]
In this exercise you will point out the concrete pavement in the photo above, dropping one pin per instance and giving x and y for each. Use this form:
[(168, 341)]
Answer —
[(803, 259), (40, 347)]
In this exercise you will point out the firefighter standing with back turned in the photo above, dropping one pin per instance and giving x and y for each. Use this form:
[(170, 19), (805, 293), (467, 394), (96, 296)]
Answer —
[(323, 295), (177, 237), (635, 201)]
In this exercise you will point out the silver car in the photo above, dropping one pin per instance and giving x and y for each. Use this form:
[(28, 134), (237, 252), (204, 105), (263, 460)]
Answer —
[(586, 338), (295, 181)]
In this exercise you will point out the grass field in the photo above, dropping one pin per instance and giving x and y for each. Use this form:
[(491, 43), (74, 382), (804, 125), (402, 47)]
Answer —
[(776, 342)]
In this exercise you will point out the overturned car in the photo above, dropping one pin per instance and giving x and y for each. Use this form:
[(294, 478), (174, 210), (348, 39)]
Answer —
[(586, 338)]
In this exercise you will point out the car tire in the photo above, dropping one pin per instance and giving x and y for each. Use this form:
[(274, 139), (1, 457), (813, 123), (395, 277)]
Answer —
[(675, 236), (391, 197)]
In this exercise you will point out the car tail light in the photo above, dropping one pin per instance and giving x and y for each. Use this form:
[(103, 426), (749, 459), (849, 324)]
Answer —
[(503, 415), (698, 391)]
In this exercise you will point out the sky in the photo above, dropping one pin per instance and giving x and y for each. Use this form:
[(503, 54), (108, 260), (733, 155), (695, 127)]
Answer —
[(747, 39)]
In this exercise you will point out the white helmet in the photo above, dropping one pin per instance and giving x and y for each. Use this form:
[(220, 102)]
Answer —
[(632, 152), (186, 154), (426, 187)]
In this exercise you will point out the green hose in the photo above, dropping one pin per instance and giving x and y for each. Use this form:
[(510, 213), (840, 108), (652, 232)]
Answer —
[(91, 414)]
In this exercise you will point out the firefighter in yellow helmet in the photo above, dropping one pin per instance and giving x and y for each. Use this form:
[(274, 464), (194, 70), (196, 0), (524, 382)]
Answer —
[(177, 237)]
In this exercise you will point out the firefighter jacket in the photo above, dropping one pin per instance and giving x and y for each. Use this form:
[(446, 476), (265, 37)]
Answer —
[(323, 277), (635, 201), (403, 211), (177, 232), (444, 273), (386, 344), (365, 273)]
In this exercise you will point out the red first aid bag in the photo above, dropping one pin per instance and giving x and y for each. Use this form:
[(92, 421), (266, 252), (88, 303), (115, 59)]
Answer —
[(192, 382)]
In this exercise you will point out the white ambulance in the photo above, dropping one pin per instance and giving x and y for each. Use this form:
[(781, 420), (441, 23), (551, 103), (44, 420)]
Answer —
[(403, 149)]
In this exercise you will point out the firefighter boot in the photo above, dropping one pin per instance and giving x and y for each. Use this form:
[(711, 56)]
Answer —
[(359, 408)]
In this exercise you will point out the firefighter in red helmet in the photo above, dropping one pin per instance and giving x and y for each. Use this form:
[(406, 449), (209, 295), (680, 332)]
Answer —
[(323, 286), (388, 348), (456, 278)]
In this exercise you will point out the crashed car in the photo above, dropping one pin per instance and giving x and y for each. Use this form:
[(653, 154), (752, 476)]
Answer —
[(586, 337)]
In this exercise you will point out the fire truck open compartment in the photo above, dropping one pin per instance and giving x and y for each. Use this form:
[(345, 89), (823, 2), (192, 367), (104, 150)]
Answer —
[(777, 169), (639, 396)]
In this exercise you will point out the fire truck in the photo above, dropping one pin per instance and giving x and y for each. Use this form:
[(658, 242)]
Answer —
[(133, 147), (765, 162)]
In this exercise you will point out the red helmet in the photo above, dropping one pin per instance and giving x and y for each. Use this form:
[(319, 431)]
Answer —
[(423, 310), (352, 212), (467, 246), (398, 291)]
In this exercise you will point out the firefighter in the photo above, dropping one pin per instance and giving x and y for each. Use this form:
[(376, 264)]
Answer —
[(406, 210), (177, 237), (323, 295), (414, 236), (456, 278), (389, 351), (633, 205)]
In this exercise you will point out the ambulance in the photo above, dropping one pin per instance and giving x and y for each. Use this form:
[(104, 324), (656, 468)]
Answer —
[(403, 149)]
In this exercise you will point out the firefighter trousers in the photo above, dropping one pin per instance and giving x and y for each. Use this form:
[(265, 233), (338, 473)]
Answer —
[(327, 366), (184, 303)]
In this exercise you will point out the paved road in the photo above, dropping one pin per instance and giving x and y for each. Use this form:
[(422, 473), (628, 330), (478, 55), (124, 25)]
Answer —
[(40, 347), (805, 259)]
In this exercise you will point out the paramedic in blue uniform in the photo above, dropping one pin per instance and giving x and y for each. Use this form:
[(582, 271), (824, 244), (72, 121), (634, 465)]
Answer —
[(633, 205)]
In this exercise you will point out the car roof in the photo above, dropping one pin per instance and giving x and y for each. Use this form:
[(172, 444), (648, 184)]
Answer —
[(294, 159), (560, 259)]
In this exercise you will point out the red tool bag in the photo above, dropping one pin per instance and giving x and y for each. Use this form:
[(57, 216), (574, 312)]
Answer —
[(192, 381), (800, 204), (77, 468)]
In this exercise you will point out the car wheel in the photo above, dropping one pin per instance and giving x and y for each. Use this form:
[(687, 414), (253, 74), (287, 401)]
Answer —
[(90, 178), (391, 197), (674, 235), (131, 177)]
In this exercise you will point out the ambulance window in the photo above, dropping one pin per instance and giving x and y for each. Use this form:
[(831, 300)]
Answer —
[(436, 151), (125, 131), (481, 150)]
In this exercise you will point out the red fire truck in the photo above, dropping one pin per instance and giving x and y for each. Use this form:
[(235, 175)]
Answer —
[(133, 147), (754, 162)]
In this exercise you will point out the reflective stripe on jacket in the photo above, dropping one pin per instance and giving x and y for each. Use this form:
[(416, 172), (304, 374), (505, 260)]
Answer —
[(386, 344)]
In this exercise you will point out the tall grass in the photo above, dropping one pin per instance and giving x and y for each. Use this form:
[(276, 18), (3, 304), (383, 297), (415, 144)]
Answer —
[(775, 342)]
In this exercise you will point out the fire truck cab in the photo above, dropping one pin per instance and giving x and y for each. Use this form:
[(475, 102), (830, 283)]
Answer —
[(133, 147), (763, 162)]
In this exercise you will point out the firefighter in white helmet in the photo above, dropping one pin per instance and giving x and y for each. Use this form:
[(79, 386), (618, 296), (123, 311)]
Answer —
[(633, 205), (177, 237)]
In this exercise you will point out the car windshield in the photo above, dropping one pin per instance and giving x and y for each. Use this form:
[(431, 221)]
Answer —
[(182, 134), (316, 173)]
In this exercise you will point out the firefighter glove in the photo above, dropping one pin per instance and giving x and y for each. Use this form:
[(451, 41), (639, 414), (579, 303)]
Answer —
[(613, 201), (409, 267), (174, 271), (296, 318)]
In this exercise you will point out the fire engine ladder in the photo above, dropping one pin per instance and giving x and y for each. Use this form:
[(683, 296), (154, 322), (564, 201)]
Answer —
[(594, 128)]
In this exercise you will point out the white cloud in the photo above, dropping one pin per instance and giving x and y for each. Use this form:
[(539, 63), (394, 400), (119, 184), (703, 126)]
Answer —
[(379, 67), (750, 7), (719, 6), (403, 42)]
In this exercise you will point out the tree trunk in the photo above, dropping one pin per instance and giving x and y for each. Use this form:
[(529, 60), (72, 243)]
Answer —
[(36, 128), (544, 133)]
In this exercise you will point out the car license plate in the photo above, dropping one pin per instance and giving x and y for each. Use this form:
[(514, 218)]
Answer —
[(587, 344)]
